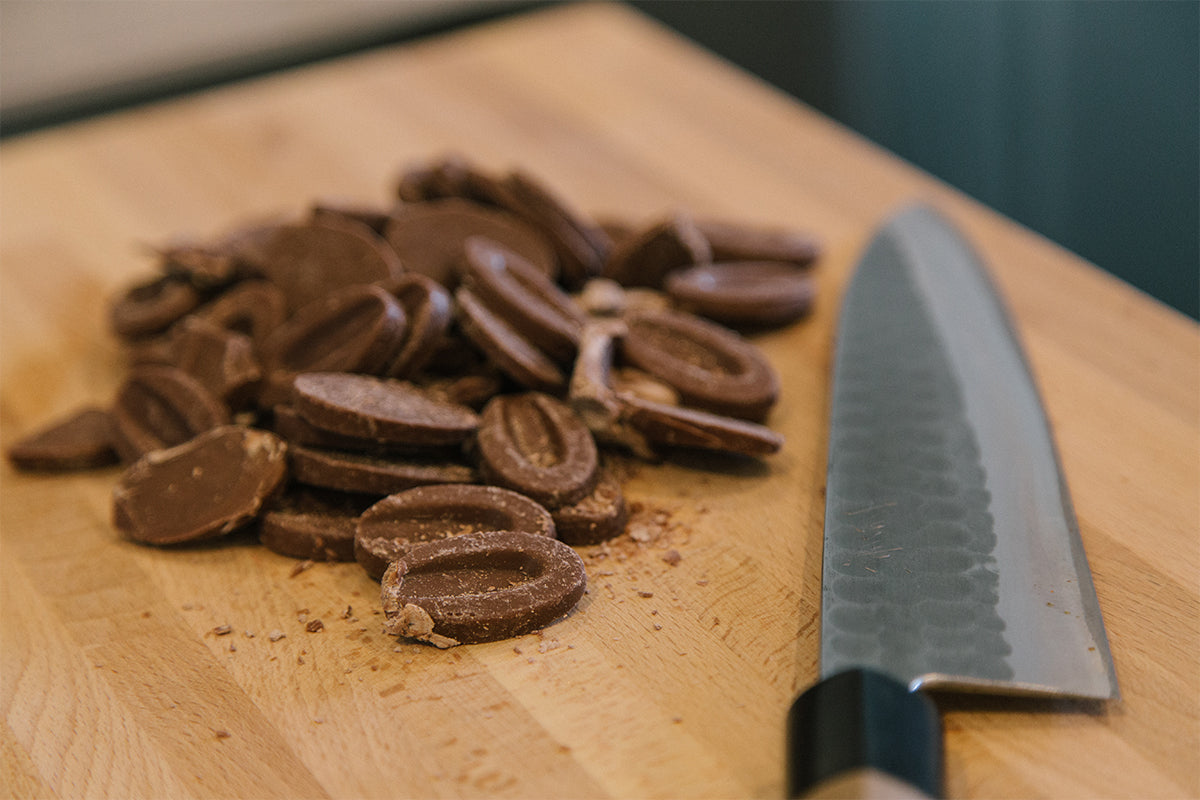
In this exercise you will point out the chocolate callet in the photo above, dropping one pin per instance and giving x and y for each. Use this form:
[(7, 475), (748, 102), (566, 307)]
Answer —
[(357, 328), (203, 488), (428, 513), (481, 587), (690, 427), (313, 524), (82, 439), (373, 473), (429, 236), (378, 408), (744, 293), (507, 349), (308, 261), (160, 406), (596, 518), (523, 296), (711, 367), (535, 444)]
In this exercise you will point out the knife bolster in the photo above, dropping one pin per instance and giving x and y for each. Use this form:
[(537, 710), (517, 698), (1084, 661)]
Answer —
[(862, 721)]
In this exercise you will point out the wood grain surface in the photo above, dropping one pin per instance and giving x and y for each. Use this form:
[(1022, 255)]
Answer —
[(668, 681)]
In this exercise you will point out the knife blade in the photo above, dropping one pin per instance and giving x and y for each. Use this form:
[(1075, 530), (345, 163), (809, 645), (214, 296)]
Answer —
[(952, 557)]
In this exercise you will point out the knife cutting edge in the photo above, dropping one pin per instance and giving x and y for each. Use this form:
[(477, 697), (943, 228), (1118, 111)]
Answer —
[(952, 557)]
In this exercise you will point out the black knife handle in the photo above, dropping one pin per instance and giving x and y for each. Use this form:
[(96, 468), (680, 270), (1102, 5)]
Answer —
[(862, 721)]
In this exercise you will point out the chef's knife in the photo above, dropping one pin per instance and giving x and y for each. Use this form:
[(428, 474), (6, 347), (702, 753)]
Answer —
[(952, 557)]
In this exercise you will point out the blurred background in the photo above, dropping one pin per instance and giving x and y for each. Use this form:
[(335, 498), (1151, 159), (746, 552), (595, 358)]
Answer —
[(1078, 118)]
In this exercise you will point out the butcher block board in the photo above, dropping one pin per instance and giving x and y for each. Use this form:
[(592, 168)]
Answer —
[(667, 680)]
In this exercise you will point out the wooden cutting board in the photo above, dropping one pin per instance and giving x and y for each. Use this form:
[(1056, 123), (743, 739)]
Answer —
[(669, 680)]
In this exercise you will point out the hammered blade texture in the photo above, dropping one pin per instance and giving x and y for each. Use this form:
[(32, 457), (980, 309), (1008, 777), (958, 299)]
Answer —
[(909, 575)]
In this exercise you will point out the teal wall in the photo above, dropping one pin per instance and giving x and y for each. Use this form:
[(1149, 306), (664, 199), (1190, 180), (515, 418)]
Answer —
[(1080, 119)]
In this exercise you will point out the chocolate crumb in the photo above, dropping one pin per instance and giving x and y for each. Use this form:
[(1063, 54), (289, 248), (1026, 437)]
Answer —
[(414, 622), (672, 557), (644, 593), (221, 630), (222, 734), (315, 626)]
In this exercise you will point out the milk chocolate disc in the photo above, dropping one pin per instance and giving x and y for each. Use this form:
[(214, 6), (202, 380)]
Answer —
[(161, 406), (524, 297), (731, 241), (254, 308), (150, 307), (309, 261), (429, 237), (203, 488), (373, 473), (507, 349), (691, 427), (313, 524), (429, 311), (596, 518), (710, 366), (536, 445), (744, 293), (380, 408), (335, 211), (80, 440), (427, 513), (581, 246), (645, 258), (354, 329), (221, 359), (481, 587)]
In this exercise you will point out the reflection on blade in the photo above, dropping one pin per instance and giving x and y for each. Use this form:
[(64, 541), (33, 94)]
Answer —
[(952, 557)]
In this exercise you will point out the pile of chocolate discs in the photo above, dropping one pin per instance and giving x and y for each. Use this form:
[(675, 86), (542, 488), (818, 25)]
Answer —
[(431, 388)]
